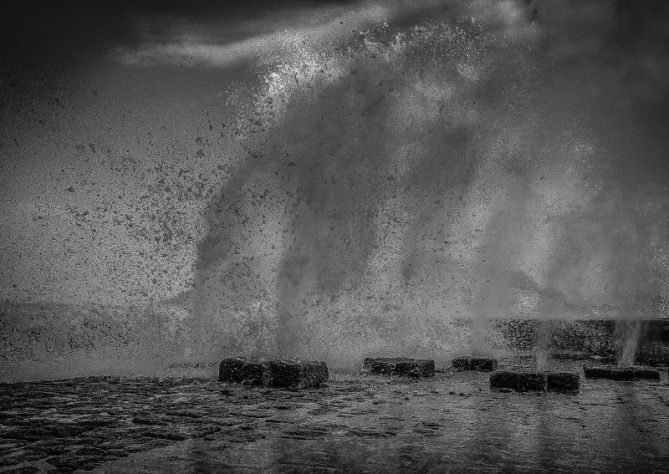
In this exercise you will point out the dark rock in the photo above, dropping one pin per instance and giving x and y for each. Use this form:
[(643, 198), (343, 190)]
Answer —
[(460, 363), (297, 373), (242, 370), (518, 381), (562, 381), (617, 373), (273, 373), (646, 374), (481, 364), (530, 381), (399, 366), (611, 373)]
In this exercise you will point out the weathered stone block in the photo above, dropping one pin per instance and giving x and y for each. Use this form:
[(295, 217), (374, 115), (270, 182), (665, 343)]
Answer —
[(616, 373), (518, 381), (562, 381), (611, 373), (481, 364), (297, 373), (399, 366), (647, 374), (531, 382), (460, 363), (243, 370), (273, 373)]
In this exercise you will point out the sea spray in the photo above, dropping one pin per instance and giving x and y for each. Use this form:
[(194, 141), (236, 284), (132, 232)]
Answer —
[(627, 333), (369, 192), (420, 174)]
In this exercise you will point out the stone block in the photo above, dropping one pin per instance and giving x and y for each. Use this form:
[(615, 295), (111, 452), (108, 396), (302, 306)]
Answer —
[(646, 374), (481, 364), (247, 371), (399, 366), (282, 373), (562, 381), (460, 363), (617, 373), (297, 373), (611, 373), (518, 381)]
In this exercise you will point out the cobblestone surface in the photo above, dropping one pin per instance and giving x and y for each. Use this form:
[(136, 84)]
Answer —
[(362, 423)]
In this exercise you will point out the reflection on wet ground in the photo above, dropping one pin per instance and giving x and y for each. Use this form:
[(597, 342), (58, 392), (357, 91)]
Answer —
[(358, 423)]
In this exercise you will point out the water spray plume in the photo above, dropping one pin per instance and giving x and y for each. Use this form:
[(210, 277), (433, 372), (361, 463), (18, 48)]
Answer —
[(413, 176)]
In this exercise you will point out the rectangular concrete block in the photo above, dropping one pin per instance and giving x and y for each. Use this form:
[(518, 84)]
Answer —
[(273, 372), (562, 381), (481, 364), (531, 382), (611, 373), (518, 381), (460, 363), (242, 370), (297, 373), (646, 374), (399, 366), (616, 373)]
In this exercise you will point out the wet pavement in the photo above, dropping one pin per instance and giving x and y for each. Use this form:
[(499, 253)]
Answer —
[(359, 423)]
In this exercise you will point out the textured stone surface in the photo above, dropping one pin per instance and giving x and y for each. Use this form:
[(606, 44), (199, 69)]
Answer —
[(518, 381), (648, 374), (460, 363), (274, 372), (297, 373), (611, 373), (356, 423), (616, 373), (399, 366), (524, 381), (242, 370), (562, 381), (481, 364)]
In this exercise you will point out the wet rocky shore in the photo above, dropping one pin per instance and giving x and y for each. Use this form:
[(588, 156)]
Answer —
[(359, 422)]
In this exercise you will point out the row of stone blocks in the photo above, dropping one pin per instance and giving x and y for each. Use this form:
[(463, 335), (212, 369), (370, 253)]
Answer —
[(309, 374)]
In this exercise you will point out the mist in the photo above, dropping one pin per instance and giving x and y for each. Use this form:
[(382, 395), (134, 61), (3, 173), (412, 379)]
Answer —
[(368, 175), (499, 161)]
